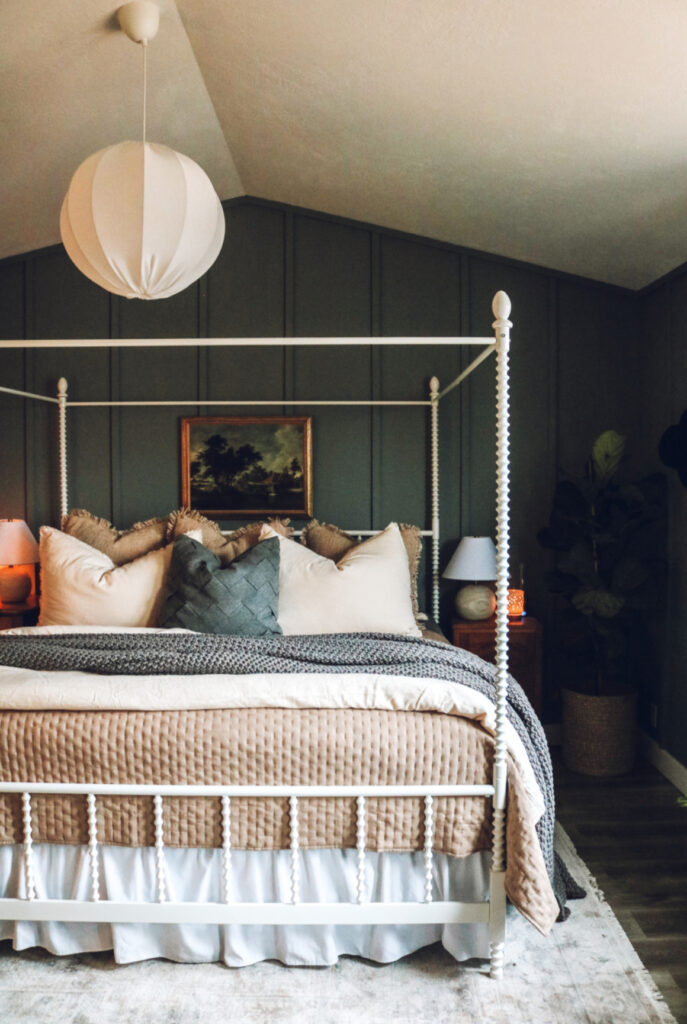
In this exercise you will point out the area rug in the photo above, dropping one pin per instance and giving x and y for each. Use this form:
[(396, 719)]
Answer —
[(586, 971)]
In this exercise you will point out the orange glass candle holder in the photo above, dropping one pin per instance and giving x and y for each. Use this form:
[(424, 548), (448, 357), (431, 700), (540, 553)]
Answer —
[(516, 603)]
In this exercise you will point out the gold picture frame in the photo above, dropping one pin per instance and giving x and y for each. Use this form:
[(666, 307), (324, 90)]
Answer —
[(242, 466)]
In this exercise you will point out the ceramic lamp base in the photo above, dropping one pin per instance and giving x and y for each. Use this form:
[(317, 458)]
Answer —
[(475, 602), (15, 585)]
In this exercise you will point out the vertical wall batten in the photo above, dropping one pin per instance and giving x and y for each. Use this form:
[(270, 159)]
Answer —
[(13, 414), (375, 378), (202, 353), (31, 410), (463, 398), (331, 276), (668, 719), (547, 607), (115, 436), (288, 300)]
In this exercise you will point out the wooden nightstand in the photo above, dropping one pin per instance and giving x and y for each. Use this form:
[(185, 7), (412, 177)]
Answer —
[(524, 649), (21, 614)]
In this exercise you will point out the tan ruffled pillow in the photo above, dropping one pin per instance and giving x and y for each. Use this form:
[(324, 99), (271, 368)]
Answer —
[(227, 547), (123, 546), (120, 546), (332, 542)]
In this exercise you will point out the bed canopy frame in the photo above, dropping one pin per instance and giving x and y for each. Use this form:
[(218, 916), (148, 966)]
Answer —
[(29, 907)]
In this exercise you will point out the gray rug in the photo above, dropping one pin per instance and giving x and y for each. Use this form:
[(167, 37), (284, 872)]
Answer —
[(586, 971)]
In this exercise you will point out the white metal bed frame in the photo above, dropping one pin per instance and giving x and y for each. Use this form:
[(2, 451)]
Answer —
[(492, 911)]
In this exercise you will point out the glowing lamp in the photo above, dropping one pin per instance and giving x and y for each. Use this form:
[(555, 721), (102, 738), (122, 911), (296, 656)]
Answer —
[(18, 550), (474, 559), (516, 603)]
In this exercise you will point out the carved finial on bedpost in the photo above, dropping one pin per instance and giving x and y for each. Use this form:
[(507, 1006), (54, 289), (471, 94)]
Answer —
[(62, 387), (434, 387), (501, 307)]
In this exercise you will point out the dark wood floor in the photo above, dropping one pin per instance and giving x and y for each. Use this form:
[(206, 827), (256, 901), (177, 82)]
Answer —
[(632, 834)]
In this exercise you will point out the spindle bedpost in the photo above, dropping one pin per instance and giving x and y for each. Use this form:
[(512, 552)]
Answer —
[(62, 443), (434, 458), (497, 917)]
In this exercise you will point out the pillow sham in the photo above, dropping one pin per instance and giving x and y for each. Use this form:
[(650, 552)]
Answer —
[(82, 586), (121, 546), (367, 591), (226, 547), (240, 599), (331, 542)]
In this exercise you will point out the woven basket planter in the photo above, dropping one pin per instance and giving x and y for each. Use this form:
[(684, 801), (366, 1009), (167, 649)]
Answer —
[(599, 733)]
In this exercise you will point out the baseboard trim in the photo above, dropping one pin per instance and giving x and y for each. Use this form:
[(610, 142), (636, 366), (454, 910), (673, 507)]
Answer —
[(669, 766), (674, 770)]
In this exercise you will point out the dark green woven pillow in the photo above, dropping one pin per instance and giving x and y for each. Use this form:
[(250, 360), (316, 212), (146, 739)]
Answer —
[(241, 599)]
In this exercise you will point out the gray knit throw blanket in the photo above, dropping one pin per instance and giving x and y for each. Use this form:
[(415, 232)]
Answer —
[(206, 654)]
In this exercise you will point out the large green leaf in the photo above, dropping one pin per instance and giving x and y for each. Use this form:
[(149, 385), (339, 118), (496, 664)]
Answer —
[(607, 452), (596, 601)]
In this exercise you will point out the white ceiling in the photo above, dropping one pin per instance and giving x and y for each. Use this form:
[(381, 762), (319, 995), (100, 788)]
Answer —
[(543, 130)]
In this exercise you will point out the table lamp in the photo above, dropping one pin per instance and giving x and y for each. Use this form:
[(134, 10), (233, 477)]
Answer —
[(474, 559), (18, 549)]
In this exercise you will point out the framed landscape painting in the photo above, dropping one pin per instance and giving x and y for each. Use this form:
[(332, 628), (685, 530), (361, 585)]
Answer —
[(247, 465)]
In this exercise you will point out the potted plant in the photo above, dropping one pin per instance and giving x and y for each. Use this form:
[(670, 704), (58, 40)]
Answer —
[(602, 533)]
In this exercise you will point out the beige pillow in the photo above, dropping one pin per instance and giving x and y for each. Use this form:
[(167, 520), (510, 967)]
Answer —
[(331, 542), (367, 591), (81, 586), (120, 546), (226, 547)]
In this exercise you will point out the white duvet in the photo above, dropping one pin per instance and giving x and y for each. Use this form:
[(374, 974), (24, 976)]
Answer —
[(31, 690)]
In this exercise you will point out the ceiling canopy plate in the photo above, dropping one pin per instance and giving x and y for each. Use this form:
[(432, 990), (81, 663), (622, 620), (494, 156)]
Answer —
[(140, 19)]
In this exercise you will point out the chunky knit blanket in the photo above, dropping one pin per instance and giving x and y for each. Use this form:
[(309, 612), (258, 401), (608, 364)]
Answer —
[(200, 653)]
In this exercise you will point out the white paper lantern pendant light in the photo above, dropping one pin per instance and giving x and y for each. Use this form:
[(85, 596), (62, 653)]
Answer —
[(140, 219)]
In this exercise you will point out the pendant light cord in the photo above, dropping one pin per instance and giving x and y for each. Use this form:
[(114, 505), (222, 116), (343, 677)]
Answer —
[(145, 85)]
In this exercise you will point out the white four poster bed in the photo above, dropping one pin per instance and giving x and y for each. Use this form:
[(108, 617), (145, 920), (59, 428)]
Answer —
[(31, 905)]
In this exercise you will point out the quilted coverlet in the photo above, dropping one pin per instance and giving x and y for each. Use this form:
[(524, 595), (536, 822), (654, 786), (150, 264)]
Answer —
[(276, 745)]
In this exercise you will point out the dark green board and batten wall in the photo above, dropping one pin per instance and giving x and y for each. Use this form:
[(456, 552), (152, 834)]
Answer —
[(290, 272)]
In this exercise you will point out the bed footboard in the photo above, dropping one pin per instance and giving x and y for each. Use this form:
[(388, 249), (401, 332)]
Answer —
[(27, 906)]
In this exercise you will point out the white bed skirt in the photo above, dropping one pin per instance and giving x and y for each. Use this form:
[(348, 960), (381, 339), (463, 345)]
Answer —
[(62, 872)]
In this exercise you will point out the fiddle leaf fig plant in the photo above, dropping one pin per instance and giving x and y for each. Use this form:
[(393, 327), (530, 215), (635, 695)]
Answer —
[(607, 454), (604, 543)]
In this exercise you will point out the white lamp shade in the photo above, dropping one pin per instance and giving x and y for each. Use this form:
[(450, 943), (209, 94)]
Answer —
[(141, 220), (17, 544), (473, 559)]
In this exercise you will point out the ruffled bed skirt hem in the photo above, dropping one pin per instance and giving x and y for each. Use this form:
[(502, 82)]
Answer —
[(63, 872)]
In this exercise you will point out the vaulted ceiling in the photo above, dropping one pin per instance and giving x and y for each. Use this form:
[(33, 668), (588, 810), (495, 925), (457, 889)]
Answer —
[(542, 130)]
